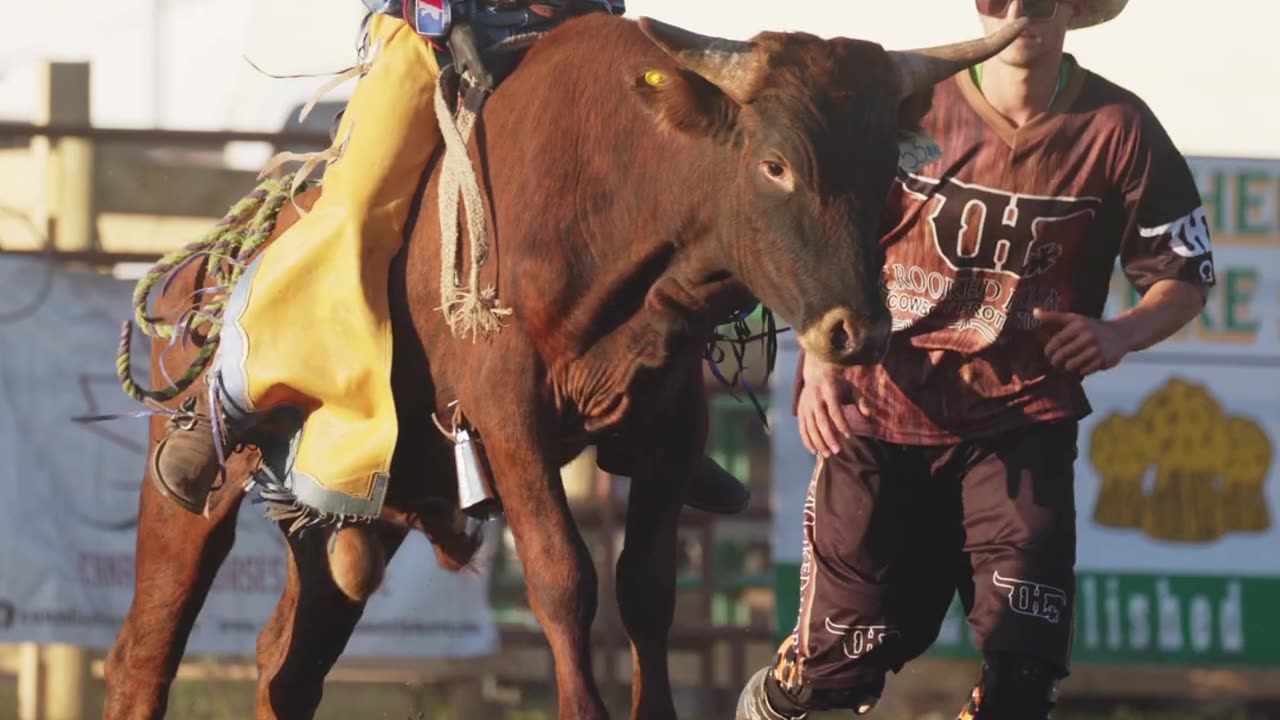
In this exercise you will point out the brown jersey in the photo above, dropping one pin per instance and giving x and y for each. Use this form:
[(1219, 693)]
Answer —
[(1009, 220)]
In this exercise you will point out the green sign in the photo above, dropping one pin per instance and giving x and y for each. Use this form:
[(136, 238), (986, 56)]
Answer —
[(1241, 197), (1179, 620), (1160, 620)]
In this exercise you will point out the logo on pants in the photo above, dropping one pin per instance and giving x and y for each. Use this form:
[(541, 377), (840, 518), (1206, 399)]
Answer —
[(861, 639), (1029, 598)]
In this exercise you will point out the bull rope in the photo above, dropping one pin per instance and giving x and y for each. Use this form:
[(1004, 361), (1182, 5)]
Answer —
[(228, 248), (467, 310)]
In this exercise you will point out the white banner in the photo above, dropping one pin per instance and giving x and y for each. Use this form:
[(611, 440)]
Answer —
[(69, 496), (1178, 470)]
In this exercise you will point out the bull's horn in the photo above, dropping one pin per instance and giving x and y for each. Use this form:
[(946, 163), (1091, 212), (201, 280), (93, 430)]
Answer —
[(731, 65), (921, 69)]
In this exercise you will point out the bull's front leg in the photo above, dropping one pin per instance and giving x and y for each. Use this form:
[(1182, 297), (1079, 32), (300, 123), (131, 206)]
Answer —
[(559, 573), (646, 571)]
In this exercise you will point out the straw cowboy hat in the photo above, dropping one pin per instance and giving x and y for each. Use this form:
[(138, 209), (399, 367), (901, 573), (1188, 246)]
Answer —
[(1098, 12)]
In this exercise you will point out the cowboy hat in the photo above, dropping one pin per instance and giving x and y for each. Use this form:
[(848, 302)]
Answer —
[(1097, 12)]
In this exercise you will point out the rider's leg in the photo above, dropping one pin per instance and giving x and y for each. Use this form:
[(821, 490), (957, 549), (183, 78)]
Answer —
[(307, 327)]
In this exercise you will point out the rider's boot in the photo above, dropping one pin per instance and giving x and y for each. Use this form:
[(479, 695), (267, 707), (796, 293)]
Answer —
[(716, 490), (184, 465), (713, 489)]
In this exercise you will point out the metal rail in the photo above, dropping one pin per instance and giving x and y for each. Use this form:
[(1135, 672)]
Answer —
[(58, 131)]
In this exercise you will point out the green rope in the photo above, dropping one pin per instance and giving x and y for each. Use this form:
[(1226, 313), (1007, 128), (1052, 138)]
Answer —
[(230, 245)]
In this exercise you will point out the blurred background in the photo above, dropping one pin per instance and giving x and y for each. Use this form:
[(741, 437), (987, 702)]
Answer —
[(128, 128)]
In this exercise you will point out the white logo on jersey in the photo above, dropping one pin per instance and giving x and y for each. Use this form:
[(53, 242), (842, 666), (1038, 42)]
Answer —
[(861, 639), (978, 228), (1188, 235), (1030, 598)]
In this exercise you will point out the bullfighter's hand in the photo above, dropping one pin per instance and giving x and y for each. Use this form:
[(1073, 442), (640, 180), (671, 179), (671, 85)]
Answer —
[(819, 408), (1080, 344)]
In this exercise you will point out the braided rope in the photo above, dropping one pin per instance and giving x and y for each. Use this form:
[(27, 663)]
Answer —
[(228, 248), (470, 310)]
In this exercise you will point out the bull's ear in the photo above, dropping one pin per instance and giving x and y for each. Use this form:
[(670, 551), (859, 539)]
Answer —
[(916, 148), (686, 102), (736, 67)]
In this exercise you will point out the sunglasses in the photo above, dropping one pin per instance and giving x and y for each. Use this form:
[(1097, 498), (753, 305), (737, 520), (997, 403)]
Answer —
[(1034, 9)]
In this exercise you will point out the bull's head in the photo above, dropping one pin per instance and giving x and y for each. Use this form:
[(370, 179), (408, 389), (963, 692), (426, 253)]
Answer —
[(813, 128)]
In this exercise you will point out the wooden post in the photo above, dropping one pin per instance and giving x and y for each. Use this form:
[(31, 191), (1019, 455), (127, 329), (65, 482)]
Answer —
[(29, 682), (69, 202), (52, 679), (610, 632), (66, 677), (579, 475)]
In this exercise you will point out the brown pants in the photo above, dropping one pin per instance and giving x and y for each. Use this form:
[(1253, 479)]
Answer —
[(892, 532)]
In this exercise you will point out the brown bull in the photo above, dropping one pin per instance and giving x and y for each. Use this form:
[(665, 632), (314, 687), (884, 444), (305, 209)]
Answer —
[(643, 183)]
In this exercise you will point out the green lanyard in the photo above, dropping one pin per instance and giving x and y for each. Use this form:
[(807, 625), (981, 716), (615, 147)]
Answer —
[(1064, 74)]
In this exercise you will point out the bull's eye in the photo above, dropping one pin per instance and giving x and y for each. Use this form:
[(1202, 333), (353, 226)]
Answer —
[(777, 173)]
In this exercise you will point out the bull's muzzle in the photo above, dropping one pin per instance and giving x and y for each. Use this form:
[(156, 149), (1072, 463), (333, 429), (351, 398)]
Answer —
[(845, 337)]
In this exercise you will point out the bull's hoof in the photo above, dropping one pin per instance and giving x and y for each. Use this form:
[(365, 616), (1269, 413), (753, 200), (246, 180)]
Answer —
[(357, 562)]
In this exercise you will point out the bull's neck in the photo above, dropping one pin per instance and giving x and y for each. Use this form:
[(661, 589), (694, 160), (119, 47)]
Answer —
[(615, 201), (647, 222)]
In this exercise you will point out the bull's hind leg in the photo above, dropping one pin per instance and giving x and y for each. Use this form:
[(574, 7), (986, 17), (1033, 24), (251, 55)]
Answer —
[(646, 585), (646, 571), (178, 555), (309, 628)]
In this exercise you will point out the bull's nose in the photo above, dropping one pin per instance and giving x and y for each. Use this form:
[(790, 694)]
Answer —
[(846, 338)]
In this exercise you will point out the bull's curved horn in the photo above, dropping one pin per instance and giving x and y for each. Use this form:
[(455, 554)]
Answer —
[(920, 69), (731, 65)]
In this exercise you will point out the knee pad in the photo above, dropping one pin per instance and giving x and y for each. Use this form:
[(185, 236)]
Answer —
[(861, 698), (1014, 687)]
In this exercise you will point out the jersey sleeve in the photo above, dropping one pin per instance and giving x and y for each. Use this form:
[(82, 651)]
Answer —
[(1165, 233)]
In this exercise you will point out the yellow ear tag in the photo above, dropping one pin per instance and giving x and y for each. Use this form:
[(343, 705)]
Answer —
[(655, 77)]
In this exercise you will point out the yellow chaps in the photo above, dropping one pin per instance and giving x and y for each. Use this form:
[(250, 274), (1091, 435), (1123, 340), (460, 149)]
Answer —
[(308, 326)]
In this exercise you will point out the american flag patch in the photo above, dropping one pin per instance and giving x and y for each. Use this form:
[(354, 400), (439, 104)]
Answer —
[(432, 18)]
